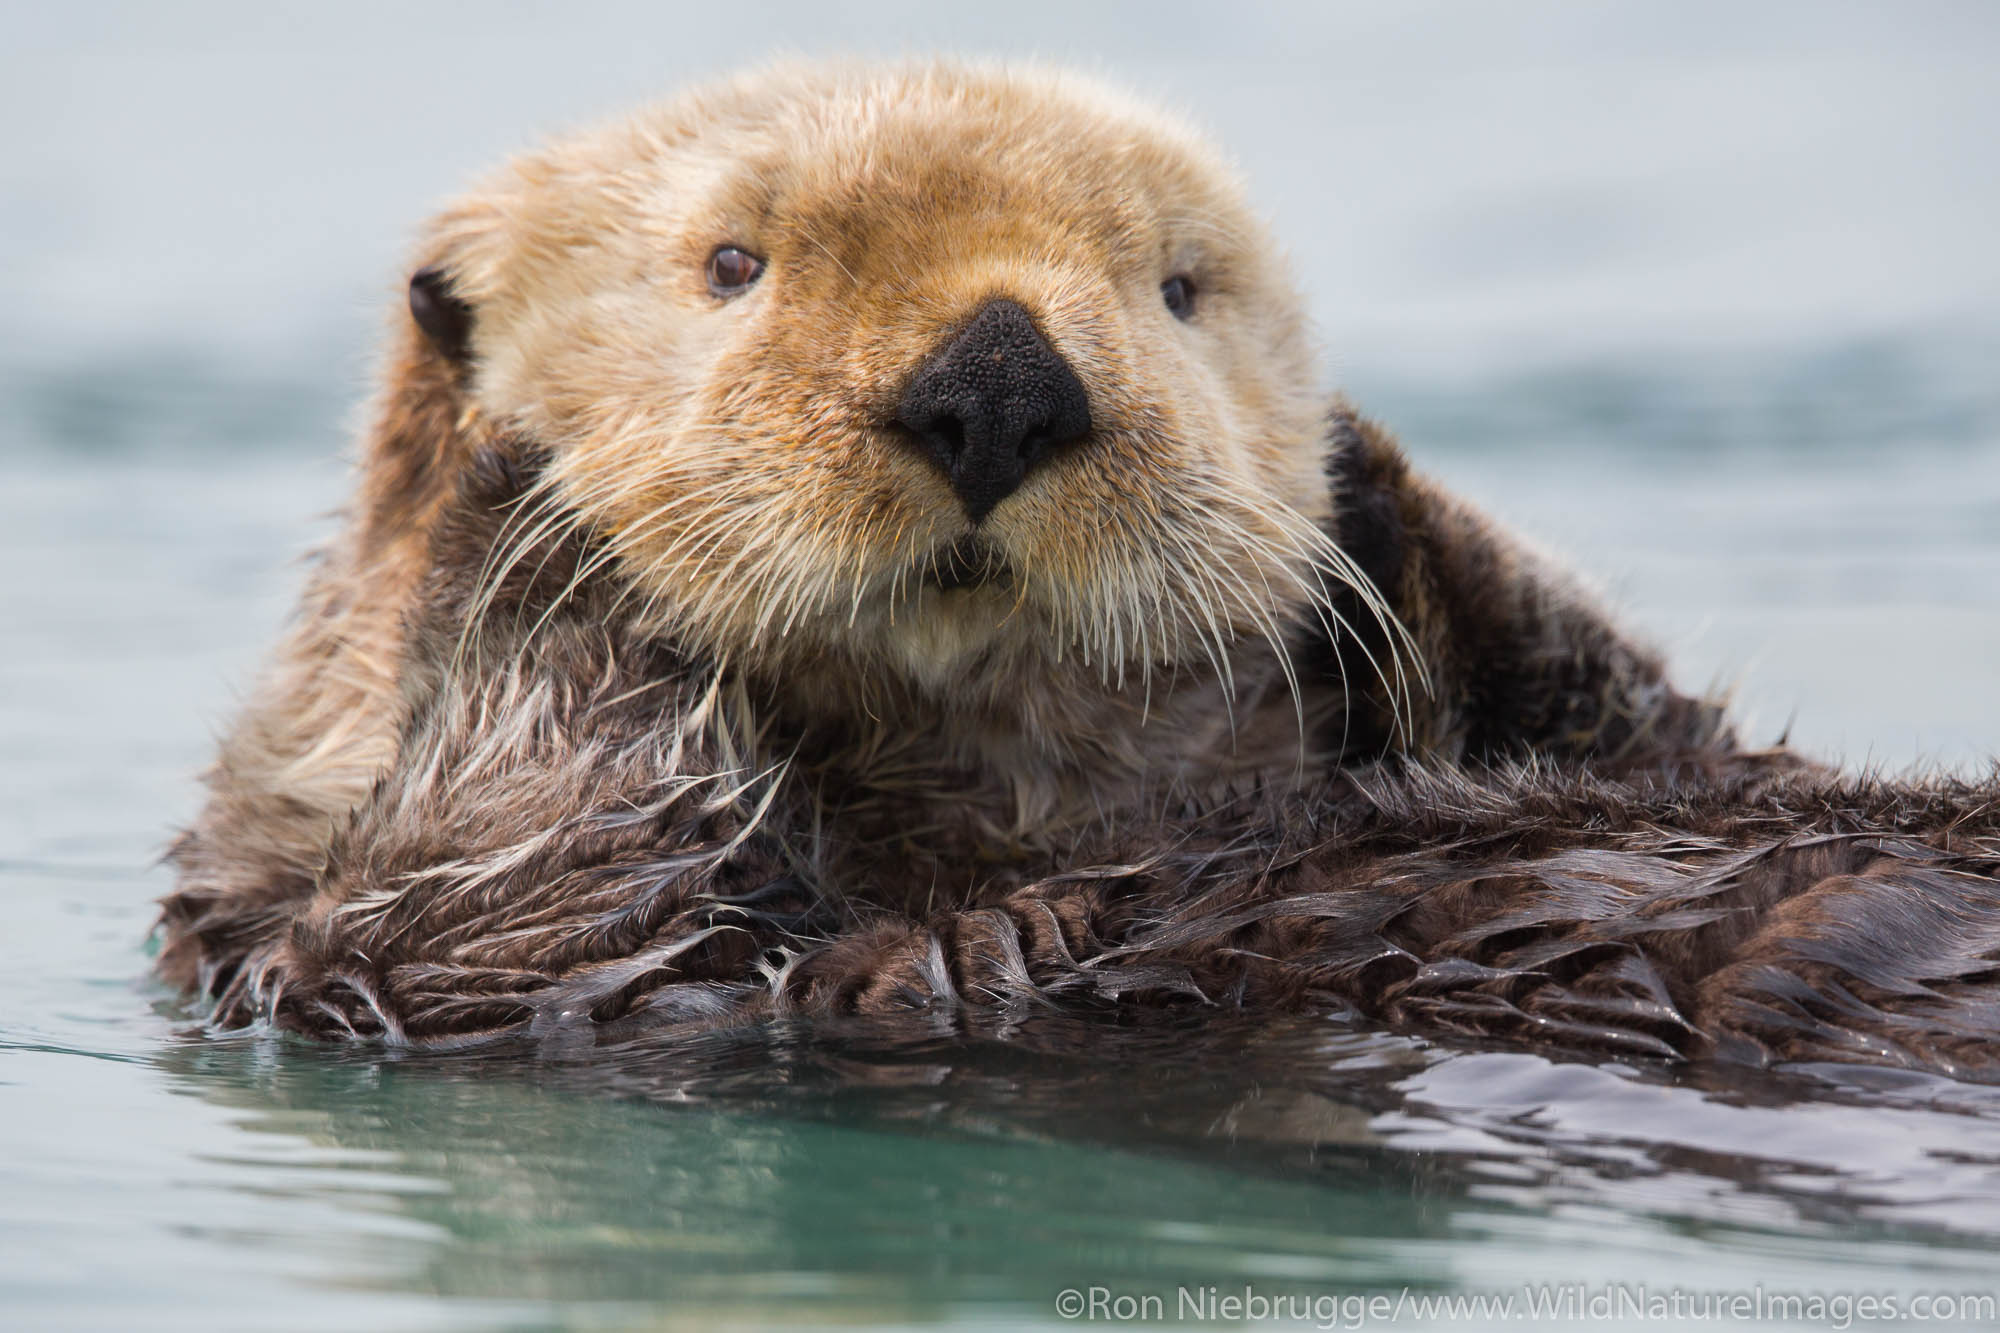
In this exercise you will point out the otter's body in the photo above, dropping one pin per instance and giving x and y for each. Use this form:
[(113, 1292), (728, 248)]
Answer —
[(860, 538)]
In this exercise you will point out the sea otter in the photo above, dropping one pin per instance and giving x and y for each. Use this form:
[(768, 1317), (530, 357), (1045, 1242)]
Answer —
[(864, 537)]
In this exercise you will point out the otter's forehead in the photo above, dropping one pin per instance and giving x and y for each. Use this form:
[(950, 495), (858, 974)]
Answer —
[(991, 148), (862, 160), (881, 126)]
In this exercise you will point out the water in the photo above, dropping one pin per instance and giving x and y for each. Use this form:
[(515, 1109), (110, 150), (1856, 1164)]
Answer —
[(1702, 296)]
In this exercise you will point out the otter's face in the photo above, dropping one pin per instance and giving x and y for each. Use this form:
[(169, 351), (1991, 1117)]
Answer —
[(935, 375)]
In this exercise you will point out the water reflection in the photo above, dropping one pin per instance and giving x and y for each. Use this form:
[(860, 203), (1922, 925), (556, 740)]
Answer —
[(915, 1169)]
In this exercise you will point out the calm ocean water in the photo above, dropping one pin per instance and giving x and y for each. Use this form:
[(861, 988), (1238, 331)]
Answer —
[(1713, 316)]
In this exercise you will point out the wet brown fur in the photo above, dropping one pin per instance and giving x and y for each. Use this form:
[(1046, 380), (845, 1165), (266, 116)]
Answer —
[(499, 777)]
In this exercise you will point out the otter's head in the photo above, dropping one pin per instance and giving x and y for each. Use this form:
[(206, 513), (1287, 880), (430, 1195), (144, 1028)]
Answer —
[(930, 374)]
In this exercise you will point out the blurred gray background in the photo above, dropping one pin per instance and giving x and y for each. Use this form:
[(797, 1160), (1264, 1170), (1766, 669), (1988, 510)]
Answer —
[(1463, 185), (1703, 295)]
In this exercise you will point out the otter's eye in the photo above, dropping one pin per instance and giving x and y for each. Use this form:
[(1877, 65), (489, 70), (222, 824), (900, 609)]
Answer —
[(731, 271), (1178, 293)]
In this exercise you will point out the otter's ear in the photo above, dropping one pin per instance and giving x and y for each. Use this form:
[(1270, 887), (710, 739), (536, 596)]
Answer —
[(425, 432), (445, 318)]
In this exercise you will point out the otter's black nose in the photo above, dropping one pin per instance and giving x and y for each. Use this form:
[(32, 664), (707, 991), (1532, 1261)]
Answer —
[(991, 404)]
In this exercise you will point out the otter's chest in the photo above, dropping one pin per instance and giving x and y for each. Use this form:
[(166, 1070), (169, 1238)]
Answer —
[(945, 821)]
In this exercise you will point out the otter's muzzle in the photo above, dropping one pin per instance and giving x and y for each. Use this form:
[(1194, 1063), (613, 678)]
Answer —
[(993, 403)]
